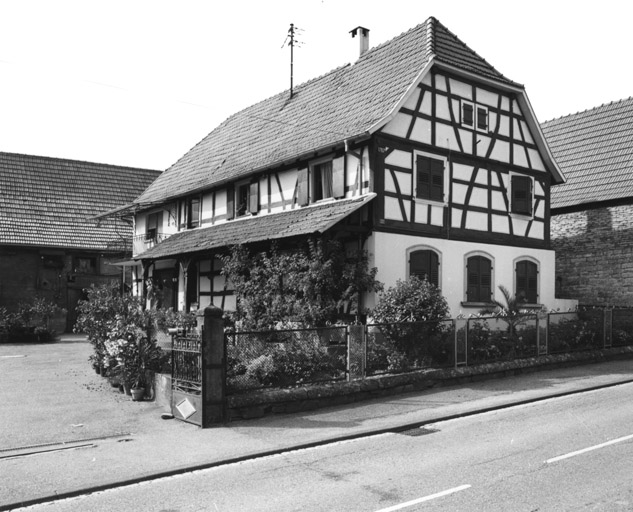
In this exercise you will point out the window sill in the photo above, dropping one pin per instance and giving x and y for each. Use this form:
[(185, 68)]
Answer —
[(476, 304), (419, 200)]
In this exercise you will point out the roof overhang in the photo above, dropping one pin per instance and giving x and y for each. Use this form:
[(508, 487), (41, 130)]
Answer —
[(313, 219)]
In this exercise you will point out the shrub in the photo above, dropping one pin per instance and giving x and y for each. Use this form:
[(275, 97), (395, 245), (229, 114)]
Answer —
[(31, 321)]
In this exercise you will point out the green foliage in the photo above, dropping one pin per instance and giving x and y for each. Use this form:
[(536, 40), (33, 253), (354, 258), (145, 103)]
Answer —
[(511, 310), (312, 284), (569, 332), (31, 321), (413, 300)]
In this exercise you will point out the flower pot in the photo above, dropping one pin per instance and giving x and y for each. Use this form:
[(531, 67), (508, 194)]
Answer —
[(138, 394), (126, 389)]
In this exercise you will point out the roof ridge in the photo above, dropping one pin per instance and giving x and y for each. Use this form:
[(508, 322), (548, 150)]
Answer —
[(437, 23), (587, 110), (59, 159)]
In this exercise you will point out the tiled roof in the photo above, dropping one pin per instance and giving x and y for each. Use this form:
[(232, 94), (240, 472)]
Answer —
[(342, 104), (594, 149), (45, 201), (317, 218)]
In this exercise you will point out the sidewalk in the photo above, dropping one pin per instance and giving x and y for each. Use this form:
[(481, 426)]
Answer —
[(49, 396)]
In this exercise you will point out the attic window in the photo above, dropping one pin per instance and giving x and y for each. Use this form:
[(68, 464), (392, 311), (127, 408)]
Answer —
[(467, 113), (521, 194), (246, 198), (474, 116), (482, 118)]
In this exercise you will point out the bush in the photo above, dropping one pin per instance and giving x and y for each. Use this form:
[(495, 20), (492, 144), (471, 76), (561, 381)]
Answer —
[(31, 321)]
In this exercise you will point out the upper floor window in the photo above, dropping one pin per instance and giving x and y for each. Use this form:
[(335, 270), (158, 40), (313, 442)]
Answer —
[(322, 179), (474, 116), (153, 225), (478, 279), (526, 281), (425, 264), (429, 178), (246, 198), (521, 187), (190, 211)]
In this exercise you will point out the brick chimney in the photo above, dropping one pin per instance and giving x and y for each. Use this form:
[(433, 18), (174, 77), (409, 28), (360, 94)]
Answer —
[(363, 39)]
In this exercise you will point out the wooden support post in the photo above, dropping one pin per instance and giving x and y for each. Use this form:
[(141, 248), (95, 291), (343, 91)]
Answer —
[(213, 367)]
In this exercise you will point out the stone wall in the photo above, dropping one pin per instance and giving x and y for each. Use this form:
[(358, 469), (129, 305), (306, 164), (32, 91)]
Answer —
[(594, 255)]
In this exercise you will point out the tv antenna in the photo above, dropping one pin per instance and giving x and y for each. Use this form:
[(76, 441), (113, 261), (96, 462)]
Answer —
[(292, 42)]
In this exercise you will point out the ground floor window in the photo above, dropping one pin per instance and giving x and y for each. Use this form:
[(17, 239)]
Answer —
[(425, 264), (526, 283), (479, 279)]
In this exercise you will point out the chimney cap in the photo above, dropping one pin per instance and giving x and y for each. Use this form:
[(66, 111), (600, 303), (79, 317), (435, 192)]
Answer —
[(364, 31)]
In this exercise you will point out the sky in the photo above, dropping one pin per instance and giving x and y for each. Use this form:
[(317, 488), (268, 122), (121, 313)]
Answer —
[(139, 82)]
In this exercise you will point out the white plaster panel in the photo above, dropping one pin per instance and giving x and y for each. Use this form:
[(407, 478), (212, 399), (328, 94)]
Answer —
[(538, 188), (427, 79), (504, 126), (389, 184), (515, 128), (519, 155), (498, 202), (482, 176), (479, 197), (500, 224), (421, 213), (505, 103), (486, 97), (492, 121), (526, 132), (501, 151), (466, 138), (461, 89), (519, 225), (540, 209), (537, 231), (399, 158), (437, 215), (404, 182), (398, 126), (204, 301), (459, 193), (462, 172), (229, 302), (412, 101), (445, 136), (427, 104), (392, 209), (515, 108), (455, 107), (421, 131), (483, 142), (535, 160), (440, 82), (477, 221), (456, 218), (205, 284), (207, 206), (441, 107)]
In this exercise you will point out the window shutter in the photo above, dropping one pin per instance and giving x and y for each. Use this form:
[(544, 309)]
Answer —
[(302, 186), (482, 118), (230, 203), (253, 197), (338, 178), (521, 195), (527, 281), (437, 180), (425, 264), (467, 114), (479, 283)]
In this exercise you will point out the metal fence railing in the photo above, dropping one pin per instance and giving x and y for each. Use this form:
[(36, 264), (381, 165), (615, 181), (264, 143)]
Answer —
[(282, 358), (286, 358)]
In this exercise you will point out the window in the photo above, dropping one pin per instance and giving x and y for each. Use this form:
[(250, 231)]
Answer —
[(85, 265), (474, 116), (246, 198), (521, 194), (429, 178), (153, 225), (425, 265), (193, 212), (526, 284), (479, 279), (467, 113), (322, 184)]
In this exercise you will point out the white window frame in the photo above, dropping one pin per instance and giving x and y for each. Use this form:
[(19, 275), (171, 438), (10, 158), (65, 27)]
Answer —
[(538, 276), (416, 248), (312, 178)]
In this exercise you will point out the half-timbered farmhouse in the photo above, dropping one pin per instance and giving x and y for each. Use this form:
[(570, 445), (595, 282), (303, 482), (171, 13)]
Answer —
[(420, 152), (592, 226)]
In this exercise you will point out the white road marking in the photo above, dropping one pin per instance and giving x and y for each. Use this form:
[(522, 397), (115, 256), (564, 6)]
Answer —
[(425, 498), (591, 448)]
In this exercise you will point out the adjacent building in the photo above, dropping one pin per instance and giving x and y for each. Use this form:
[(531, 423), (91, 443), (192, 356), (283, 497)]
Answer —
[(420, 152), (50, 244), (592, 214)]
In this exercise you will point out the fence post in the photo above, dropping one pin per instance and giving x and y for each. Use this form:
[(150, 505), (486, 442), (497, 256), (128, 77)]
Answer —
[(213, 367), (541, 333), (356, 348), (608, 327)]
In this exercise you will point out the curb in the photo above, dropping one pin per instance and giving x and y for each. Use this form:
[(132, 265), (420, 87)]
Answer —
[(304, 446)]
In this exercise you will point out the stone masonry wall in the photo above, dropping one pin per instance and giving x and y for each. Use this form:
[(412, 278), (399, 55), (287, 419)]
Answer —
[(594, 255)]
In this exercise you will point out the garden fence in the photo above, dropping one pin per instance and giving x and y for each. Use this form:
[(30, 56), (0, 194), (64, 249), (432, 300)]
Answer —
[(287, 358)]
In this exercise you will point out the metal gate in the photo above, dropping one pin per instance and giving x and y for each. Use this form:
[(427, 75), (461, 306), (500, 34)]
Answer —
[(186, 377)]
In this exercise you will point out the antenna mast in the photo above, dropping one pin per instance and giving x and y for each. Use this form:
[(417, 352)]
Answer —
[(292, 42)]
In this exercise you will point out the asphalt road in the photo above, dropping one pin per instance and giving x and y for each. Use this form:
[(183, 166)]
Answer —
[(571, 453)]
